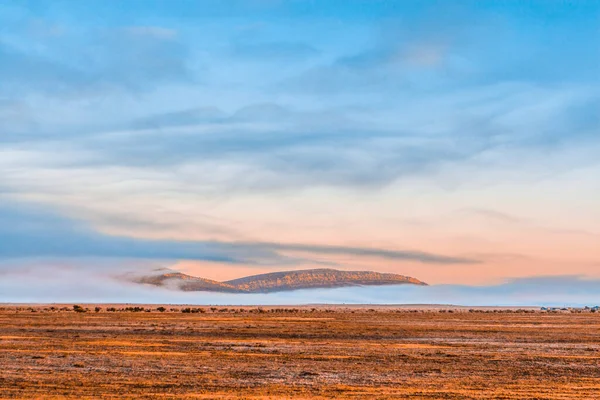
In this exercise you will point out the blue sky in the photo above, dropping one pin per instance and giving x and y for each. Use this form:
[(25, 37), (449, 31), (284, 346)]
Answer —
[(456, 142)]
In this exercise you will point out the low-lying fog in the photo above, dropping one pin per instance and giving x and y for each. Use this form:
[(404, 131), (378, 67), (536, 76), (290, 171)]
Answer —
[(99, 284)]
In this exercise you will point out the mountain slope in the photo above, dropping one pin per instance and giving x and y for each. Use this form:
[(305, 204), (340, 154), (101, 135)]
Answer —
[(276, 281), (187, 283), (317, 278)]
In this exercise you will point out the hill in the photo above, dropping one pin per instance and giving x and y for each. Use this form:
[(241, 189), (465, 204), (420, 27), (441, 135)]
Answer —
[(278, 281), (317, 278), (187, 283)]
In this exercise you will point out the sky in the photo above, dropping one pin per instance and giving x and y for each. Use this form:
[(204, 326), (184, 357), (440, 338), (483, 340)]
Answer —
[(455, 142)]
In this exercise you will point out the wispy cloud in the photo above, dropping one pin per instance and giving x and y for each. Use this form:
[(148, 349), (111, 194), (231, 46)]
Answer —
[(27, 233), (134, 58), (369, 252)]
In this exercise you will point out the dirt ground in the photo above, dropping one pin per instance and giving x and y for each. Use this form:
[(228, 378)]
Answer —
[(297, 352)]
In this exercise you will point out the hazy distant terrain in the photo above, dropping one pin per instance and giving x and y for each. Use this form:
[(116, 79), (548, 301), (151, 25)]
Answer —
[(278, 281)]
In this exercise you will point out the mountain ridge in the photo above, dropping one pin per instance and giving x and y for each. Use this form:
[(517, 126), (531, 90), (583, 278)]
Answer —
[(186, 283), (278, 281)]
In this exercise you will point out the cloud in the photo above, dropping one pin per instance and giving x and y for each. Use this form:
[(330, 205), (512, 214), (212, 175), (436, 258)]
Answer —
[(193, 116), (277, 147), (131, 59), (33, 233), (493, 215), (208, 116), (402, 54), (522, 223), (21, 71), (379, 253), (448, 46), (141, 60), (274, 146), (28, 232)]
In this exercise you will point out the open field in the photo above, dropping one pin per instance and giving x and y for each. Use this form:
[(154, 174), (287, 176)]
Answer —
[(297, 352)]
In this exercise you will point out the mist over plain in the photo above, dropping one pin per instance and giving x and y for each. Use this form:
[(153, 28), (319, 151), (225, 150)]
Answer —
[(96, 282)]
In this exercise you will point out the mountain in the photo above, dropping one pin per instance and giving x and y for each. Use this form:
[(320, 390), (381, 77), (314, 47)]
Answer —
[(187, 283), (278, 281), (317, 278)]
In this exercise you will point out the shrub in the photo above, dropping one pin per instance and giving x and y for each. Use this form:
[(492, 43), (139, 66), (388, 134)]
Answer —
[(134, 309), (78, 308)]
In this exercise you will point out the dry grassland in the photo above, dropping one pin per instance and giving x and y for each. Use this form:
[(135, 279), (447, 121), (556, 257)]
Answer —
[(299, 353)]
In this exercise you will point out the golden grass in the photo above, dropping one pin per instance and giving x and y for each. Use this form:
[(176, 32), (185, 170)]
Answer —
[(344, 352)]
